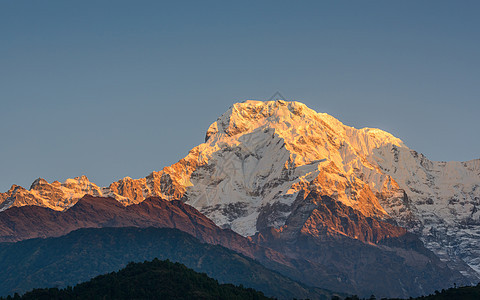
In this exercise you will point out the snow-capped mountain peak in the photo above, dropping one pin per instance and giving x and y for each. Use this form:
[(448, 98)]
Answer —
[(260, 159), (261, 154)]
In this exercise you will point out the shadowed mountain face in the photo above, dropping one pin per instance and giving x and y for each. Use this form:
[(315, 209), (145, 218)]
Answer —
[(85, 253), (354, 253), (20, 223), (323, 243)]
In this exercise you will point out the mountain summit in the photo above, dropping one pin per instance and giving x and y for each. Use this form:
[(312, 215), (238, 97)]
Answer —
[(261, 161)]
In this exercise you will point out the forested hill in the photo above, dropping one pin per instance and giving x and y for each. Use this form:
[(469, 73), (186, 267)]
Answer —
[(463, 293), (457, 293)]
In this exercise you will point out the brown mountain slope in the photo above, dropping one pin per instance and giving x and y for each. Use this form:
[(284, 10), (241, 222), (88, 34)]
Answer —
[(20, 223)]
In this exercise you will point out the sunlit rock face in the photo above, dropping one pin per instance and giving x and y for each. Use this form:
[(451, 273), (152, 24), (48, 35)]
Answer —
[(259, 157)]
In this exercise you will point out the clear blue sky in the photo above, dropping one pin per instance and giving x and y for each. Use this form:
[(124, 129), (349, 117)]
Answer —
[(120, 88)]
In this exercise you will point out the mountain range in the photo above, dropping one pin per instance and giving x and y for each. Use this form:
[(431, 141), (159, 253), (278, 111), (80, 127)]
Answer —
[(88, 252), (303, 185), (327, 260)]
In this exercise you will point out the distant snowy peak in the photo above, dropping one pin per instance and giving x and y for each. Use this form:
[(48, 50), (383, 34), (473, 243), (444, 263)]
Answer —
[(61, 196), (57, 196), (441, 205)]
